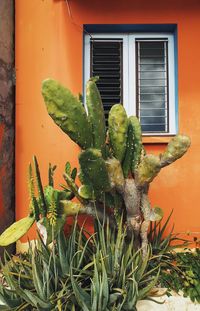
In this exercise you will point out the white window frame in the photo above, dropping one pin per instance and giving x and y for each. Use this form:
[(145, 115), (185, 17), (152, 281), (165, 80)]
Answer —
[(129, 61)]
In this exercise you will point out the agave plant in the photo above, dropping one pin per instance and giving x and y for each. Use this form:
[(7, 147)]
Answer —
[(100, 272), (163, 242)]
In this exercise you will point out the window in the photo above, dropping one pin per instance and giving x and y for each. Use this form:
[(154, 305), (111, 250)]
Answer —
[(137, 70)]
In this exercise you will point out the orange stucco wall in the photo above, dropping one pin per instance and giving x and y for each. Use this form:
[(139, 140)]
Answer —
[(49, 44)]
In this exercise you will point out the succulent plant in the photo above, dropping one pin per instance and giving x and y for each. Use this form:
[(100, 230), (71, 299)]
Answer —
[(79, 272), (115, 171)]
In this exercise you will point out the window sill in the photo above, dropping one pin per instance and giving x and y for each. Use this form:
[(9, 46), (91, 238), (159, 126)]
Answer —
[(156, 139)]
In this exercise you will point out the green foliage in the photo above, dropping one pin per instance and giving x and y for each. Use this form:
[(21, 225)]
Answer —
[(87, 272), (99, 272), (51, 174), (179, 270), (41, 198), (184, 274), (46, 205), (163, 240)]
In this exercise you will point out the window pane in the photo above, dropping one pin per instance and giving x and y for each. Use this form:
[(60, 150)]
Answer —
[(153, 82), (151, 97), (152, 75), (151, 105), (148, 60), (153, 128), (152, 85), (152, 67), (152, 89), (153, 112)]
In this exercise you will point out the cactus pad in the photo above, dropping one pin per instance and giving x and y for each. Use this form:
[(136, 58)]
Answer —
[(72, 208), (94, 169), (176, 148), (156, 214), (129, 150), (96, 115), (86, 192), (67, 112), (148, 169), (16, 231), (118, 127), (137, 133)]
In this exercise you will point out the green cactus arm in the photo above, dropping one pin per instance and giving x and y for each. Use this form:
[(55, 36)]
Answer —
[(96, 115), (129, 150), (74, 173), (94, 169), (176, 148), (67, 168), (147, 170), (86, 192), (137, 133), (51, 174), (73, 187), (16, 231), (67, 112), (69, 194), (115, 173), (118, 127), (72, 208), (83, 178), (40, 187)]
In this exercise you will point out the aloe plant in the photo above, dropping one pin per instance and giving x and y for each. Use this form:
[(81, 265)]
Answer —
[(79, 272)]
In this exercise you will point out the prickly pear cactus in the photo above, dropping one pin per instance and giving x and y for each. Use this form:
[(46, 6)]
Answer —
[(94, 169), (118, 128), (96, 116), (115, 172), (67, 112)]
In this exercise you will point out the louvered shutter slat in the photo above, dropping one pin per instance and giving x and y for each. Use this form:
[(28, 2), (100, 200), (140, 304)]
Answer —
[(106, 62)]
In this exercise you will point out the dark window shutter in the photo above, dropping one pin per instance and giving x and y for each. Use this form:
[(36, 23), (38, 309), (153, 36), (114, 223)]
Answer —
[(152, 85), (107, 63)]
